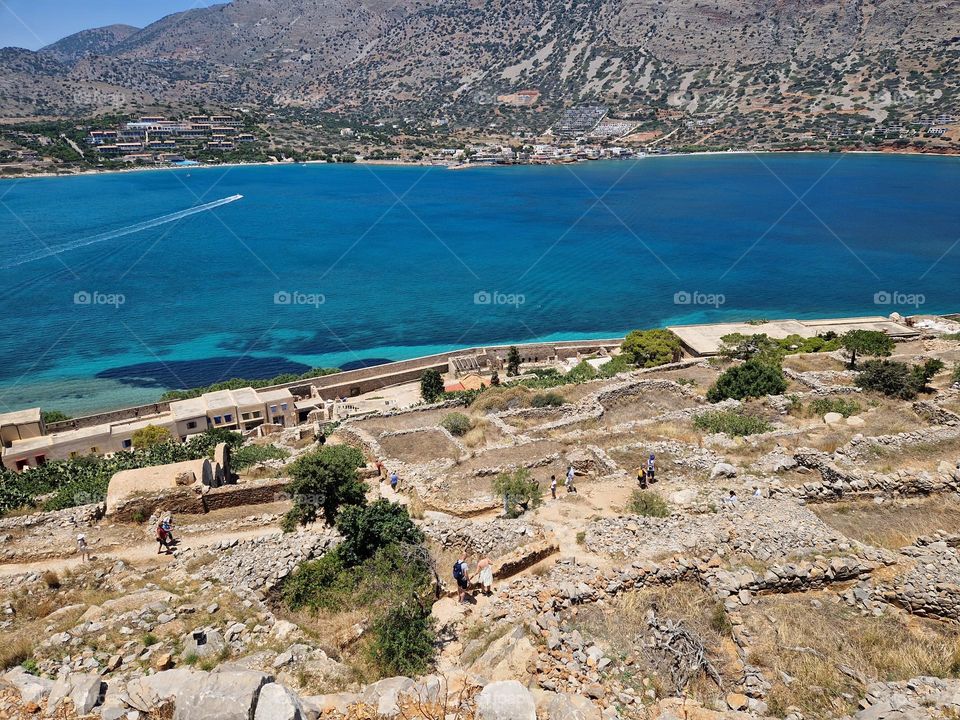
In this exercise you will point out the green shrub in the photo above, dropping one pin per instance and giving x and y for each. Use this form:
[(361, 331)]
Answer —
[(822, 406), (547, 399), (457, 424), (149, 436), (897, 379), (402, 640), (866, 342), (748, 380), (54, 416), (368, 529), (616, 365), (731, 422), (248, 455), (582, 372), (648, 504)]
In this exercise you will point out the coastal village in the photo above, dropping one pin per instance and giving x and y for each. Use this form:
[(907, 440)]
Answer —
[(579, 133), (627, 538)]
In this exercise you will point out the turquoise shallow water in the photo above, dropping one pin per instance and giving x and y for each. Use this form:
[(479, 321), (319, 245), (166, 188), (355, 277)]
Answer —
[(335, 265)]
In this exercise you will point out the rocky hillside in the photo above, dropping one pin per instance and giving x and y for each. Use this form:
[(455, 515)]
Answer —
[(98, 41), (781, 62)]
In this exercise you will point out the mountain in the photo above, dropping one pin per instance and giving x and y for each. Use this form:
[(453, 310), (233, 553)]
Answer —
[(98, 41), (780, 62)]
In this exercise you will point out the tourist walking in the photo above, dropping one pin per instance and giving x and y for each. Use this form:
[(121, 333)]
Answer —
[(569, 482), (651, 470), (461, 573), (394, 480), (485, 570), (553, 486), (82, 548), (731, 500), (642, 477)]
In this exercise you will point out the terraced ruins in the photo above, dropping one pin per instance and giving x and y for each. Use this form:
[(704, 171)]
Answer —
[(829, 588)]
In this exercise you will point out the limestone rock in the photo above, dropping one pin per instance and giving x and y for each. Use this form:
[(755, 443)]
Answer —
[(506, 700), (566, 706), (225, 694), (722, 469), (278, 703)]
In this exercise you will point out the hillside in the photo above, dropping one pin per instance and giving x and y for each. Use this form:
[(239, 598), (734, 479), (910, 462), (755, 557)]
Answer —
[(88, 42), (777, 62)]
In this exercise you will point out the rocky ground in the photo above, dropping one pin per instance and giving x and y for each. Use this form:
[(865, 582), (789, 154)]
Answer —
[(830, 588)]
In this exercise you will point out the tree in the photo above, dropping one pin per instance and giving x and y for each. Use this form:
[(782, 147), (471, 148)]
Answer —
[(495, 379), (431, 386), (518, 490), (753, 378), (737, 346), (649, 348), (513, 361), (369, 528), (322, 482), (54, 416), (921, 375), (456, 424), (149, 436), (866, 342)]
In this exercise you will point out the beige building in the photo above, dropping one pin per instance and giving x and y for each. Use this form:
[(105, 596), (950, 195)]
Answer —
[(26, 442)]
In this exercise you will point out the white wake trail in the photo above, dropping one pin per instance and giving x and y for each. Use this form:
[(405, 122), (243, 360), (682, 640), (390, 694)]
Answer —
[(145, 225)]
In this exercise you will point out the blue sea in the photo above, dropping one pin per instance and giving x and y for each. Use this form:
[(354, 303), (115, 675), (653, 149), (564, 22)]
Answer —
[(108, 300)]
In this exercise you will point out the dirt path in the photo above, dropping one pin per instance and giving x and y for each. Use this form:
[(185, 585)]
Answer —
[(137, 554)]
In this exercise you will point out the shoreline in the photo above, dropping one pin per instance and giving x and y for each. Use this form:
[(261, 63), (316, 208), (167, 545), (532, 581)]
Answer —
[(557, 339), (468, 166)]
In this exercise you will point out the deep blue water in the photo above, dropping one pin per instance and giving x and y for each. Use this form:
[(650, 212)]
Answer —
[(399, 253)]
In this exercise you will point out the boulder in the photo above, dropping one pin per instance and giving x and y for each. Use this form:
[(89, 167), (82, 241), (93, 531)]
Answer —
[(278, 703), (224, 694), (85, 692), (32, 689), (336, 703), (203, 643), (506, 700), (856, 421), (722, 469), (151, 691), (832, 418), (737, 701)]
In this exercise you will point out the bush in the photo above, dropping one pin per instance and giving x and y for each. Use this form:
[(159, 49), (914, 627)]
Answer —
[(748, 380), (617, 364), (897, 379), (582, 372), (368, 529), (456, 424), (322, 482), (822, 406), (149, 436), (54, 416), (547, 399), (731, 423), (513, 361), (648, 504), (649, 348), (402, 640), (248, 455)]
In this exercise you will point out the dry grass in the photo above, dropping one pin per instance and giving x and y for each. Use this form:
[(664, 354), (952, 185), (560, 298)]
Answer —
[(419, 447), (832, 652), (496, 399), (618, 627), (16, 648), (482, 434), (891, 525)]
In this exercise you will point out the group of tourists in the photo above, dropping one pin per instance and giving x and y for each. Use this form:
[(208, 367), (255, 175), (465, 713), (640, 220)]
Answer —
[(461, 574), (568, 483), (647, 474), (393, 476)]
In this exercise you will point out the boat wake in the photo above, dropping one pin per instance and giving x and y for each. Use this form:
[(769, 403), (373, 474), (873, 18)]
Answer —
[(130, 229)]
